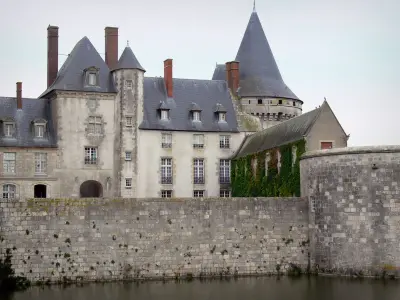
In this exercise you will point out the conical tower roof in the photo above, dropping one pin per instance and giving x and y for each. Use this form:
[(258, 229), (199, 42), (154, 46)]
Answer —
[(259, 73), (128, 60)]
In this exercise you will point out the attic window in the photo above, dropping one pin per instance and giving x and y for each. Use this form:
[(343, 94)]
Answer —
[(164, 114), (222, 117), (8, 129), (196, 116), (92, 76)]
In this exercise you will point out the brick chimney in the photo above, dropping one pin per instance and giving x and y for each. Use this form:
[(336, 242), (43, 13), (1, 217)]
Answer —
[(111, 34), (168, 77), (235, 77), (52, 54), (19, 95)]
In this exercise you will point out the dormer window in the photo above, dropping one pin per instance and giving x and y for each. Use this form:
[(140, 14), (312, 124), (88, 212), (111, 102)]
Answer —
[(164, 114), (196, 116), (39, 128), (8, 129), (222, 117), (92, 76)]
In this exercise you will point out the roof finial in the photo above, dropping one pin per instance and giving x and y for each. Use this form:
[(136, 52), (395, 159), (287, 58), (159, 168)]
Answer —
[(127, 43), (254, 6)]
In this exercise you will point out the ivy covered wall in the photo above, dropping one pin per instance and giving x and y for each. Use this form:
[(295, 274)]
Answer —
[(250, 179)]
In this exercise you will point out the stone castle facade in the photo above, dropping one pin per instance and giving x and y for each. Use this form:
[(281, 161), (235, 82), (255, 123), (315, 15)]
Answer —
[(104, 129)]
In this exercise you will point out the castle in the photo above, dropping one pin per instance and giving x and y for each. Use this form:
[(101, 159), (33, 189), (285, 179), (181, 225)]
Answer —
[(103, 129)]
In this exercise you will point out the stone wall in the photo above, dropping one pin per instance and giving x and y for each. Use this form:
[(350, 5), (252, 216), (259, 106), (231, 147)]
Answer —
[(103, 239), (354, 198)]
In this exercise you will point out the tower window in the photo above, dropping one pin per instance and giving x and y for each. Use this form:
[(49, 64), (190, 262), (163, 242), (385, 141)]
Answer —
[(294, 103), (280, 102), (259, 101)]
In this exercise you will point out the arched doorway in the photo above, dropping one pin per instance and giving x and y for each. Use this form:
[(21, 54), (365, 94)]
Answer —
[(91, 189), (40, 191)]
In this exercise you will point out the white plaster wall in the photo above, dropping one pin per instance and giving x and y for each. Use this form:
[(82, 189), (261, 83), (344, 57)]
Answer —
[(183, 153), (73, 112)]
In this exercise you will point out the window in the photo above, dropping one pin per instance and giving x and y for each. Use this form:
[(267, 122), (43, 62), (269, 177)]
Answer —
[(90, 155), (8, 129), (128, 183), (9, 191), (129, 121), (40, 163), (312, 205), (166, 140), (224, 193), (198, 194), (326, 145), (259, 101), (198, 141), (128, 155), (294, 103), (224, 171), (222, 116), (128, 84), (166, 194), (280, 101), (249, 101), (198, 171), (224, 141), (92, 78), (164, 114), (39, 130), (94, 125), (166, 170), (9, 162), (196, 116)]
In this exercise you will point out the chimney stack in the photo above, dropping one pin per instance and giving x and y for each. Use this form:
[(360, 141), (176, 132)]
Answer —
[(52, 54), (19, 95), (168, 77), (111, 39), (232, 75)]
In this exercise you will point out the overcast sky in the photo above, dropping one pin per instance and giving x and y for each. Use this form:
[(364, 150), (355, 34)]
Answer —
[(345, 50)]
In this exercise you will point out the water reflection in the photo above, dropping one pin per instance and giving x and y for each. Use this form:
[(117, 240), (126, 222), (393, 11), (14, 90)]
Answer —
[(303, 288)]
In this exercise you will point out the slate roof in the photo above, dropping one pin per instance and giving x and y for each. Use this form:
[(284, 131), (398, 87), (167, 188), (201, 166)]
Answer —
[(205, 93), (278, 135), (259, 73), (71, 75), (219, 72), (32, 109), (128, 60)]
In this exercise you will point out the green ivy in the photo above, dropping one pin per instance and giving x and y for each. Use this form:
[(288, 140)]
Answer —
[(249, 179)]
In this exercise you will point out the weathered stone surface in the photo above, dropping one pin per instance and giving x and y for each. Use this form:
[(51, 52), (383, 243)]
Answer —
[(354, 198), (103, 239)]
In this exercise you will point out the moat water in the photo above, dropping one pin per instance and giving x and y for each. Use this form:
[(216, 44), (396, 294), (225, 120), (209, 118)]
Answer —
[(316, 288)]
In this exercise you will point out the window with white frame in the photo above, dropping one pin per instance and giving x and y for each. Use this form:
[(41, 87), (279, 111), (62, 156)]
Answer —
[(40, 163), (95, 124), (198, 193), (9, 191), (128, 183), (166, 140), (164, 114), (129, 121), (198, 171), (196, 116), (128, 84), (39, 130), (224, 171), (92, 78), (166, 193), (91, 156), (166, 170), (222, 117), (9, 162), (224, 141), (198, 141), (224, 193), (8, 129), (128, 155)]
